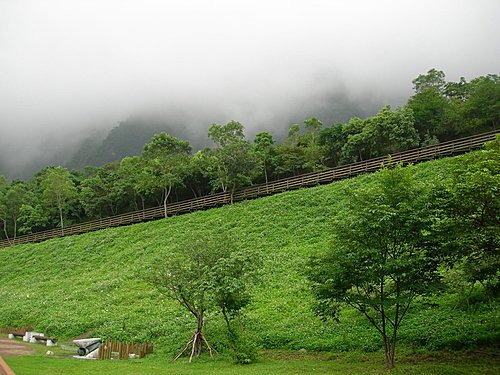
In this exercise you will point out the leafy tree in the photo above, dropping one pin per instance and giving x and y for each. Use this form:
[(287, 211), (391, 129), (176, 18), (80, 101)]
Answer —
[(313, 152), (471, 225), (290, 160), (313, 127), (223, 135), (33, 216), (434, 79), (167, 159), (331, 140), (265, 153), (133, 180), (3, 206), (290, 157), (387, 132), (483, 104), (197, 172), (10, 204), (429, 108), (231, 165), (58, 190), (383, 256), (100, 193), (205, 275)]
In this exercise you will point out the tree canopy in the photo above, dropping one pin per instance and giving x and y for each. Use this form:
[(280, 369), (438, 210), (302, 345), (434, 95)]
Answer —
[(166, 171), (383, 255)]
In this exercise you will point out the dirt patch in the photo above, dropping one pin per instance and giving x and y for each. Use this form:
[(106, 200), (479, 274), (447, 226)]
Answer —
[(11, 347)]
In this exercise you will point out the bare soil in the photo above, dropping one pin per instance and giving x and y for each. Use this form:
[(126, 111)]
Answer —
[(13, 348)]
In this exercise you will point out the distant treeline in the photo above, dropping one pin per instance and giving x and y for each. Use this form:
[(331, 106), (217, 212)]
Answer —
[(167, 170)]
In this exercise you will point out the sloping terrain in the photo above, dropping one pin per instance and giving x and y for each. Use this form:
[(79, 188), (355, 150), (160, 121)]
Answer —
[(95, 282)]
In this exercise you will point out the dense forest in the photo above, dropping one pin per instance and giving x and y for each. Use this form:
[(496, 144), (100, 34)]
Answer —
[(168, 170)]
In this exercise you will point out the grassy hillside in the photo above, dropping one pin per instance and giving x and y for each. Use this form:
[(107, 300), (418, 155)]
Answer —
[(95, 282)]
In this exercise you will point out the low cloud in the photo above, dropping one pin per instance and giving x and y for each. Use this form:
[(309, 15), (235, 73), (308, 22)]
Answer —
[(73, 69)]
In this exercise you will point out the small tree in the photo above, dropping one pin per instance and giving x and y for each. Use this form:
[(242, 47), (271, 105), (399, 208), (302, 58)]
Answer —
[(382, 257), (203, 275)]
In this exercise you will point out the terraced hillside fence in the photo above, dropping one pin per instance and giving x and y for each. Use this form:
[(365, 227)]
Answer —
[(418, 155)]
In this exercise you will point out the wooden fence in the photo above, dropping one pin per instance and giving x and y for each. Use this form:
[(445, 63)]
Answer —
[(124, 349), (418, 155)]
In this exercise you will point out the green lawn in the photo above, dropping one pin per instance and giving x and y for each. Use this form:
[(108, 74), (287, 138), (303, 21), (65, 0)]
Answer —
[(272, 362)]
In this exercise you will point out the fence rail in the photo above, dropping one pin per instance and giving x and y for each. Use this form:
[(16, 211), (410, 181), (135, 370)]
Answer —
[(449, 148)]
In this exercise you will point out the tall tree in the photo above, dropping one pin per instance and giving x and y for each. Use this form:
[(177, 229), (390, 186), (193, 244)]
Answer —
[(290, 156), (265, 153), (433, 79), (471, 224), (58, 190), (231, 163), (100, 193), (167, 160), (383, 256), (331, 140), (10, 205), (387, 132), (134, 180), (483, 104)]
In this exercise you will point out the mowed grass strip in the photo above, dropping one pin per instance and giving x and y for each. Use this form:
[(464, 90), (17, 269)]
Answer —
[(272, 362)]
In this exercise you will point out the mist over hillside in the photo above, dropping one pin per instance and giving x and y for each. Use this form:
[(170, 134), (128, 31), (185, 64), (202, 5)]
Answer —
[(129, 136), (71, 71)]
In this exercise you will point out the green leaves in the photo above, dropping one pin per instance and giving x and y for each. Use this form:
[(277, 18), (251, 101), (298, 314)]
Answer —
[(471, 218), (231, 164), (379, 261), (207, 273)]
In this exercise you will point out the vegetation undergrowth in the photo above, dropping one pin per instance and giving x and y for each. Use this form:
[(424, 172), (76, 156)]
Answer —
[(96, 282)]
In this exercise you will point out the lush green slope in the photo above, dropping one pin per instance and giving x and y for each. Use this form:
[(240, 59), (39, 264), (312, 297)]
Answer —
[(95, 282)]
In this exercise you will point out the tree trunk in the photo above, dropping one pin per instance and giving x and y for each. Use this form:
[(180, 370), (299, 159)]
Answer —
[(197, 340), (389, 352), (198, 336), (15, 228), (165, 197), (265, 172), (61, 218), (5, 229)]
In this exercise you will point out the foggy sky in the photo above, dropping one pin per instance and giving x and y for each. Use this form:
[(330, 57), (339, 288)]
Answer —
[(71, 68)]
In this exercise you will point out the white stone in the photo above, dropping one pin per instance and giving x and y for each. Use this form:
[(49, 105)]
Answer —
[(51, 343), (133, 356), (49, 352), (93, 354), (29, 335), (33, 340), (11, 336)]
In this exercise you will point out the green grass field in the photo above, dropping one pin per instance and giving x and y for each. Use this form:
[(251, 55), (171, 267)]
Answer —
[(271, 362), (95, 283)]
